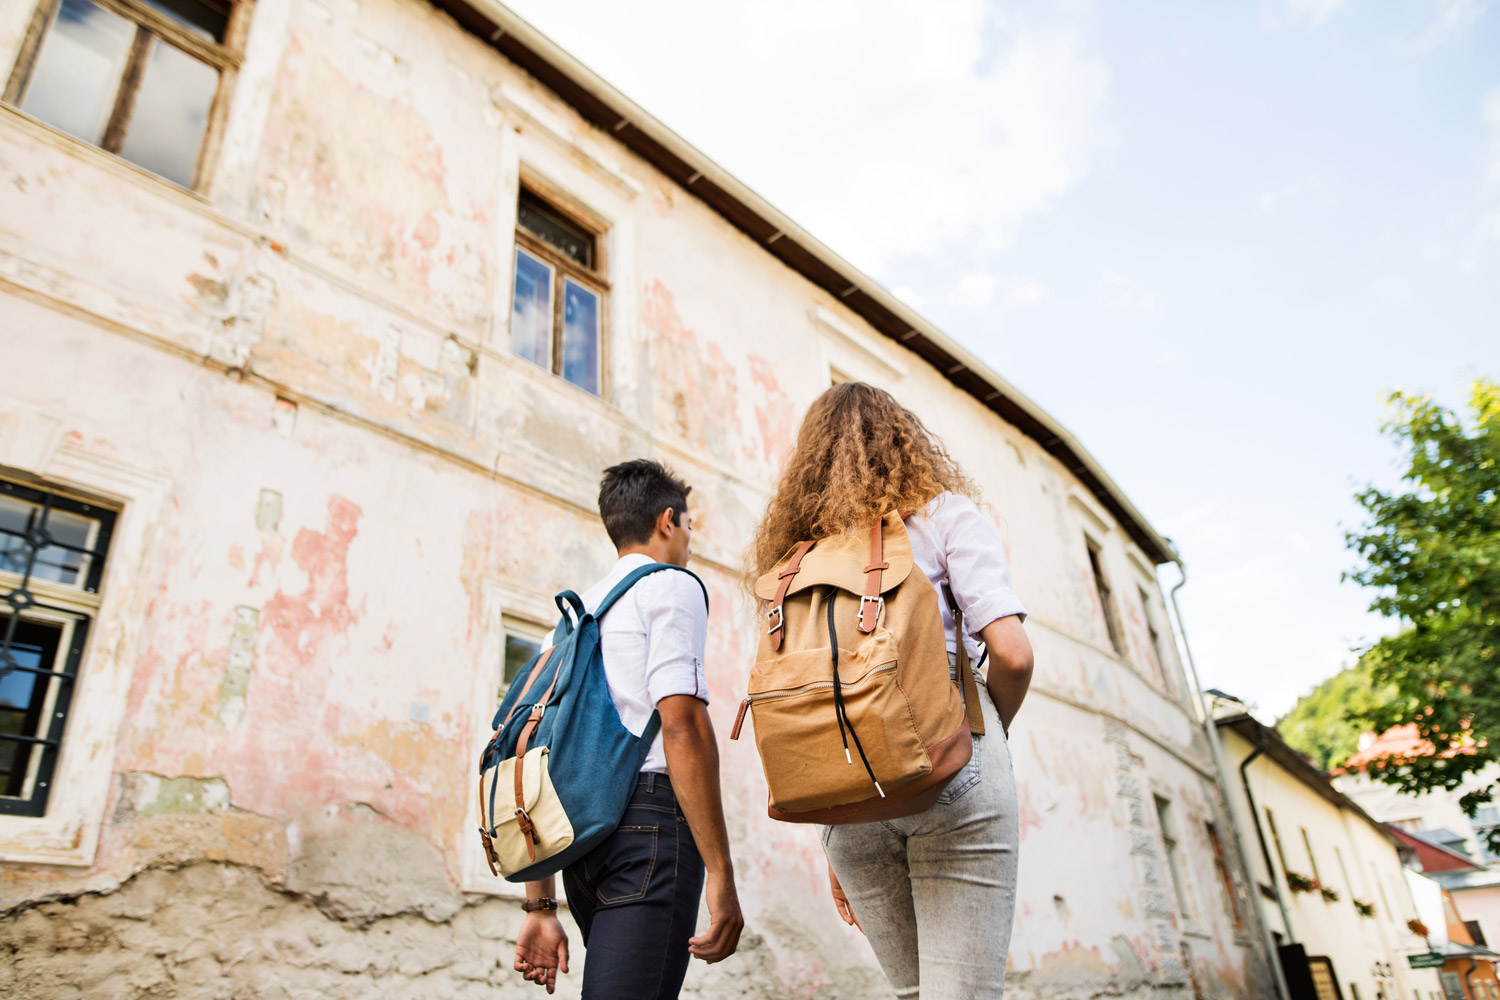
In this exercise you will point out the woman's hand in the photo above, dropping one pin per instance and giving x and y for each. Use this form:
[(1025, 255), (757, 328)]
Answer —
[(542, 949), (840, 901)]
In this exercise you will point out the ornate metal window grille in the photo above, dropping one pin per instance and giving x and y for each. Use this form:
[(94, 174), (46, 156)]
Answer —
[(52, 550)]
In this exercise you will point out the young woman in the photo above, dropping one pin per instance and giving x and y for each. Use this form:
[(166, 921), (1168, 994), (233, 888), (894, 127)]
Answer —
[(933, 892)]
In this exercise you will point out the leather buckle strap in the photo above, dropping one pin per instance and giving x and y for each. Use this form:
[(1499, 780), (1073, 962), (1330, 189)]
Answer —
[(966, 683), (868, 615), (777, 632)]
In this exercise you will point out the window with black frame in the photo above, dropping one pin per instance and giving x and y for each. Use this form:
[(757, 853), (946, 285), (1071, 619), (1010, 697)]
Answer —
[(138, 78), (52, 550)]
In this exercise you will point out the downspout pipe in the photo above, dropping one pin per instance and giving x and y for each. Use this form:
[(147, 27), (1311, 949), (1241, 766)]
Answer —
[(1265, 851), (1211, 732), (1469, 975)]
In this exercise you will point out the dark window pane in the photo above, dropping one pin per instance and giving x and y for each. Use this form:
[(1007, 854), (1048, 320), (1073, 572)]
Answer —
[(23, 697), (78, 70), (209, 19), (171, 114), (53, 562), (518, 652), (580, 342), (551, 228), (531, 311)]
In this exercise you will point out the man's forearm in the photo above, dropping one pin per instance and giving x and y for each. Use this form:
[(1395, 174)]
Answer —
[(545, 889), (693, 766)]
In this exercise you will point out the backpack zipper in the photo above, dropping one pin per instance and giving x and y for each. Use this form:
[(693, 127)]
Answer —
[(739, 719)]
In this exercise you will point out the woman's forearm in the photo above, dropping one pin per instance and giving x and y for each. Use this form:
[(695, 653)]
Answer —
[(1010, 665)]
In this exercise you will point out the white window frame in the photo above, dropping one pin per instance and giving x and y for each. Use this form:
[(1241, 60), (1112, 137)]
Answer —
[(540, 152), (503, 603), (68, 834)]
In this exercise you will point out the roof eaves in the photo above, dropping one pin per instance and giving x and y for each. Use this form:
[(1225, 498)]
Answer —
[(1250, 728), (613, 112)]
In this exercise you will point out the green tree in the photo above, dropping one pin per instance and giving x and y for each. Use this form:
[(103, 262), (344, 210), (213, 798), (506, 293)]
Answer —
[(1326, 722), (1431, 553)]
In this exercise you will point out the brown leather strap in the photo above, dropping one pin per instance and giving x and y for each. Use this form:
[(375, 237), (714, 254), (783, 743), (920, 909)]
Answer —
[(484, 833), (966, 680), (530, 678), (523, 820), (778, 630), (869, 605)]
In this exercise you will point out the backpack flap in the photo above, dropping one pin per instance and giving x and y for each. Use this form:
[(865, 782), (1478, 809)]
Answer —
[(841, 562), (519, 835)]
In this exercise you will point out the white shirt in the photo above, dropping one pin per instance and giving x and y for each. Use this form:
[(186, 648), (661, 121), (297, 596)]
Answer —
[(952, 541), (652, 641)]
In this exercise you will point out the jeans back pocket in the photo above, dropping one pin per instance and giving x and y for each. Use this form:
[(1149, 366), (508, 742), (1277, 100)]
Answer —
[(964, 779), (620, 869)]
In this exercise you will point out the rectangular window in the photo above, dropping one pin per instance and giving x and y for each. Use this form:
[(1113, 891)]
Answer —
[(557, 311), (1222, 865), (52, 550), (1101, 585), (137, 78), (1151, 629), (1310, 858), (1174, 856), (1276, 839), (523, 640)]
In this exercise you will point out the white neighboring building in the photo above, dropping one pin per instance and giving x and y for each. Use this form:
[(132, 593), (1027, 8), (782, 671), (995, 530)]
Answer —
[(1329, 878)]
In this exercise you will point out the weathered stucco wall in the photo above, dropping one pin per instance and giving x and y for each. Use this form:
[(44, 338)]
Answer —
[(336, 480)]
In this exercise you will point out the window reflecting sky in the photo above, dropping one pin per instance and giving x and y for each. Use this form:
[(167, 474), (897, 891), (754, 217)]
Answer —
[(580, 341), (171, 113), (531, 310), (78, 71)]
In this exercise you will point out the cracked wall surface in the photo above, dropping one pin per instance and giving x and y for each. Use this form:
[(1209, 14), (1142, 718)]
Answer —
[(336, 484)]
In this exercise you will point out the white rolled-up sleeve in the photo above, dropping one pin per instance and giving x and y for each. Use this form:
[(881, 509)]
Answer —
[(977, 568), (676, 620)]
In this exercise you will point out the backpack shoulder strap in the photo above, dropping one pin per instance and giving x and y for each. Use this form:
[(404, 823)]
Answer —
[(634, 576), (653, 724), (966, 680)]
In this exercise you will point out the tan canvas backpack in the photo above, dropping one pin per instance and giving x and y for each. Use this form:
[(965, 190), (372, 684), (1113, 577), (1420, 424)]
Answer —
[(856, 717)]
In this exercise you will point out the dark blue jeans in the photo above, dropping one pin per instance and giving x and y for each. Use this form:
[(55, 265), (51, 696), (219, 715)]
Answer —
[(635, 898)]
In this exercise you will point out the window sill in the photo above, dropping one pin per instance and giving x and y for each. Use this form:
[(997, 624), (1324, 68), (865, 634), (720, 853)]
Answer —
[(115, 164)]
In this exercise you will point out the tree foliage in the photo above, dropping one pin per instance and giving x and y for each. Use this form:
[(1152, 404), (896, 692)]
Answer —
[(1431, 554), (1326, 723)]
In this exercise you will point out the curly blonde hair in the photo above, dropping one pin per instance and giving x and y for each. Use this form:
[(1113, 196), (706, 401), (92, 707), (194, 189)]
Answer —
[(859, 455)]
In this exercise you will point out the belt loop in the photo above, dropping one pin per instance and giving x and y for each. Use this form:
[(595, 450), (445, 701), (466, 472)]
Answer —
[(650, 782)]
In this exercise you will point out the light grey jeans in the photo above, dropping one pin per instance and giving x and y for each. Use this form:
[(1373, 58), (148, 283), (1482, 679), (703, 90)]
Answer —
[(936, 892)]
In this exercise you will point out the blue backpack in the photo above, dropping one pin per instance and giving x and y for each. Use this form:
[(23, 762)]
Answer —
[(561, 764)]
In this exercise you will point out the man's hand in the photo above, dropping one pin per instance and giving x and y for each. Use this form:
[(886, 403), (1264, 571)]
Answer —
[(841, 902), (693, 765), (542, 949), (724, 920)]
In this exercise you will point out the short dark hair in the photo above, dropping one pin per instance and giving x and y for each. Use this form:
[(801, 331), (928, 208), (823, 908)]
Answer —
[(632, 495)]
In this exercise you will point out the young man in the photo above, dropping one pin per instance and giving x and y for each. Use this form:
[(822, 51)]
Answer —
[(635, 897)]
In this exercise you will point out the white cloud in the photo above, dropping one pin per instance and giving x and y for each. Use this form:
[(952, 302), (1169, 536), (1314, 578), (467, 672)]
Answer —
[(1455, 17), (910, 296), (975, 291), (1491, 113), (1124, 292), (1308, 13), (1272, 197), (882, 126)]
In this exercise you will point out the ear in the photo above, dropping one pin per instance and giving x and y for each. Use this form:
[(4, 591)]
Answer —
[(665, 522)]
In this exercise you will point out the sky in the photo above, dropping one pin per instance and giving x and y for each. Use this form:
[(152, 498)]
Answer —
[(1207, 238)]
